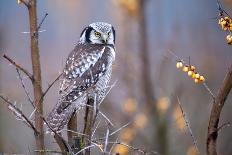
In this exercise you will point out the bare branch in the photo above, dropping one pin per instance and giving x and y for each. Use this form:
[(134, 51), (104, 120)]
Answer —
[(109, 121), (86, 148), (188, 125), (95, 128), (228, 124), (36, 68), (107, 138), (40, 24), (111, 149), (209, 90), (19, 114), (116, 131), (78, 133), (19, 67), (24, 88), (216, 112), (49, 86)]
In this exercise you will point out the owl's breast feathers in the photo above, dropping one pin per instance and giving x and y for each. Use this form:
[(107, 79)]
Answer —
[(86, 64)]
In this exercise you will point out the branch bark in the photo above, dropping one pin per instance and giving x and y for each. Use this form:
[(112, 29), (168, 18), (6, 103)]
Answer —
[(72, 126), (37, 83), (216, 111), (89, 118)]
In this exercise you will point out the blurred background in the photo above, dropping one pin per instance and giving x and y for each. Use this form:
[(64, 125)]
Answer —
[(148, 82)]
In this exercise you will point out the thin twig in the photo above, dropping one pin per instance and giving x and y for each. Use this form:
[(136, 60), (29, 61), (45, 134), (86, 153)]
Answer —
[(32, 113), (19, 114), (228, 124), (209, 90), (221, 11), (116, 131), (109, 121), (119, 129), (110, 87), (49, 86), (188, 125), (111, 149), (24, 88), (19, 67), (96, 128), (79, 133), (107, 137), (40, 24), (87, 147), (27, 32)]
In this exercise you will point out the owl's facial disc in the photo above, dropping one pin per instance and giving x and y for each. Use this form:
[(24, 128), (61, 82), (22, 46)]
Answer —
[(98, 33)]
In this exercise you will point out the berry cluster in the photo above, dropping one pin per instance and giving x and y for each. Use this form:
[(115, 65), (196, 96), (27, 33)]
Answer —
[(191, 71), (226, 25)]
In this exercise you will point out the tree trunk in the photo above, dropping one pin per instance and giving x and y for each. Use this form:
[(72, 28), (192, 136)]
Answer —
[(37, 83)]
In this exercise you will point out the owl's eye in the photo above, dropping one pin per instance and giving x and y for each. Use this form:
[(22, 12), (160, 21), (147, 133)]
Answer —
[(97, 34), (109, 33)]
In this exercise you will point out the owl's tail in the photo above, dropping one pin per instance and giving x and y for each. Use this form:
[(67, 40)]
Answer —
[(57, 120)]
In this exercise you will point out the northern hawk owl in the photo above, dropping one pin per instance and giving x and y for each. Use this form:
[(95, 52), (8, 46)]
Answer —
[(87, 72)]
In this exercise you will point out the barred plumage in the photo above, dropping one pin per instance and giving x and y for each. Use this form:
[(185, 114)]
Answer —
[(87, 72)]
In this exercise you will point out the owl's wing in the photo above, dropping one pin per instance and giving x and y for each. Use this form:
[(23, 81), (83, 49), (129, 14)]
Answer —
[(84, 66)]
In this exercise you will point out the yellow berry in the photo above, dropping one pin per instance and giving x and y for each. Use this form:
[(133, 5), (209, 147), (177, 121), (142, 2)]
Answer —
[(185, 68), (229, 39), (194, 75), (193, 68), (179, 64), (220, 20), (190, 73), (19, 1), (230, 27), (196, 80), (226, 18), (202, 78), (223, 22), (197, 76)]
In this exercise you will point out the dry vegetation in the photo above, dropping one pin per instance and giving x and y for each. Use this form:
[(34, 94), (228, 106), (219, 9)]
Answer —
[(99, 132)]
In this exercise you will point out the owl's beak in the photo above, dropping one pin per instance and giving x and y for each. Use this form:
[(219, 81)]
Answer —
[(105, 38)]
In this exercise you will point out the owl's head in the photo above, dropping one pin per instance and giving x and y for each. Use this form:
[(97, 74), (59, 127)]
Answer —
[(98, 33)]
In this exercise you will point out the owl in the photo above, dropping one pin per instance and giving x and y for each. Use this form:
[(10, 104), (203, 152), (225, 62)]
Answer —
[(86, 74)]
